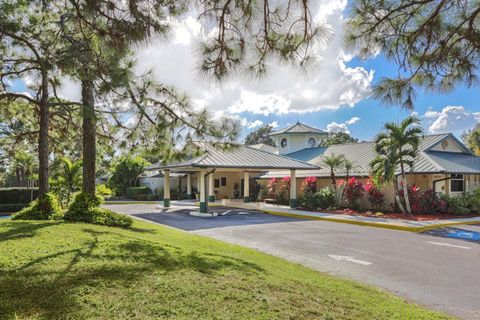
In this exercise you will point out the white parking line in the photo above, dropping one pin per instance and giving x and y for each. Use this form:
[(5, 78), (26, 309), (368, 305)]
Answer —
[(445, 244), (350, 259)]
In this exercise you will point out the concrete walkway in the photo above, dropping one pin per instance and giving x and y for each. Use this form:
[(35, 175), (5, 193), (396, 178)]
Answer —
[(397, 224)]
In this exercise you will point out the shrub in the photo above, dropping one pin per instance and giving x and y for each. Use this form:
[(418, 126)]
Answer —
[(134, 192), (46, 207), (104, 191), (461, 205), (354, 190), (425, 202), (85, 208), (324, 198), (375, 195), (308, 201), (147, 197), (17, 195), (125, 173), (107, 217)]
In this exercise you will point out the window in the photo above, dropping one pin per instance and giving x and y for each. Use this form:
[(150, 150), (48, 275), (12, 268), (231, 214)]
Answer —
[(456, 183), (312, 142), (283, 143), (217, 183), (224, 181)]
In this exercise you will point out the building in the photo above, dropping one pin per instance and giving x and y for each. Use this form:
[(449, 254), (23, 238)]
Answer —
[(443, 164)]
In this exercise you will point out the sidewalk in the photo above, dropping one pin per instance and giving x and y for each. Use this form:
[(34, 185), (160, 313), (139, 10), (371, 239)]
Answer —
[(397, 224)]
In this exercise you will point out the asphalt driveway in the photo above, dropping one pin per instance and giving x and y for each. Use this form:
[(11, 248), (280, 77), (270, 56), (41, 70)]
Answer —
[(439, 269)]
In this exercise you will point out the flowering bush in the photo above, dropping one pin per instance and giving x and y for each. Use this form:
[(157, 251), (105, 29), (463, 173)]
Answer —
[(272, 185), (285, 183), (375, 195), (309, 184), (427, 202), (354, 190)]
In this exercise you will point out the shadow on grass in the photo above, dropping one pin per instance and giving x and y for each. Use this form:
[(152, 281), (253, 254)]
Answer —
[(63, 284), (23, 229)]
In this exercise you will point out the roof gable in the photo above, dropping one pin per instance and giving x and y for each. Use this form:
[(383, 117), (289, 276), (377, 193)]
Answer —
[(298, 128)]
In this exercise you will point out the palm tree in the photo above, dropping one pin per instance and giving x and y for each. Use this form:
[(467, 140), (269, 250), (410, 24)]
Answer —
[(397, 148), (333, 162), (69, 177), (347, 165)]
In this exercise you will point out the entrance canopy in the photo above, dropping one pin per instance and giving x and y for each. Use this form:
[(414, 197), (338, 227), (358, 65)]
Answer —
[(236, 157)]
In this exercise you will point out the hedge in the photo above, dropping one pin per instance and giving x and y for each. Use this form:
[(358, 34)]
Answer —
[(17, 195), (12, 207), (133, 192)]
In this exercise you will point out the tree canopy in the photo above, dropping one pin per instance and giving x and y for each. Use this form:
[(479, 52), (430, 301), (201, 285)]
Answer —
[(261, 135), (472, 139), (435, 44), (337, 138)]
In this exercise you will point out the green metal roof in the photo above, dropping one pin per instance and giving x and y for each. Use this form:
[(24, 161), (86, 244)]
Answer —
[(361, 154), (238, 156)]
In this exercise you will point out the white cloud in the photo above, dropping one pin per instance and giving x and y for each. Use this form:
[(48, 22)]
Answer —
[(329, 85), (353, 120), (70, 89), (274, 124), (254, 124), (334, 127), (450, 119)]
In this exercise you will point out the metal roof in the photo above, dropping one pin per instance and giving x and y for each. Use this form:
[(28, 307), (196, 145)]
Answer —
[(238, 156), (361, 154), (298, 128), (307, 154), (452, 162), (264, 147)]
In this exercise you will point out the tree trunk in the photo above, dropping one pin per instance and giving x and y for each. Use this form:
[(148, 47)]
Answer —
[(43, 136), (397, 196), (405, 192), (89, 138)]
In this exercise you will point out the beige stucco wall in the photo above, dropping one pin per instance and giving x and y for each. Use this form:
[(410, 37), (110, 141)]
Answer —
[(295, 142), (423, 181)]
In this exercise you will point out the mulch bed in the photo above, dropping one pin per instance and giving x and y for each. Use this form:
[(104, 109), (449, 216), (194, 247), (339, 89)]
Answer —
[(394, 215)]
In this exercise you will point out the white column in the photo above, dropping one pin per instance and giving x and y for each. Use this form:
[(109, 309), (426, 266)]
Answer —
[(211, 188), (246, 187), (293, 189), (189, 186), (166, 188), (203, 202)]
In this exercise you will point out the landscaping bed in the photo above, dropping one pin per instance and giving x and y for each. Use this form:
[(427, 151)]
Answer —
[(393, 215), (58, 270)]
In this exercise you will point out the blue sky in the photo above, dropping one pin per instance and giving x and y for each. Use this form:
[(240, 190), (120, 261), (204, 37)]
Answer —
[(374, 114)]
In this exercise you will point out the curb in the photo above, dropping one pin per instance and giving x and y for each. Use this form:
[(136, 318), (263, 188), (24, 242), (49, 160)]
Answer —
[(370, 224), (130, 202), (361, 223)]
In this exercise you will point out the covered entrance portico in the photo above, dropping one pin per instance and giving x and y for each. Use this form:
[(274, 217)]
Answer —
[(228, 174)]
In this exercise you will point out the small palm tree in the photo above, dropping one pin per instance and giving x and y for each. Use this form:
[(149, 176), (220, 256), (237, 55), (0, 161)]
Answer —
[(347, 165), (396, 149), (69, 178), (334, 162)]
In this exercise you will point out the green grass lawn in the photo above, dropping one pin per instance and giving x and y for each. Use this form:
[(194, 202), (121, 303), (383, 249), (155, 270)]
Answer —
[(55, 270)]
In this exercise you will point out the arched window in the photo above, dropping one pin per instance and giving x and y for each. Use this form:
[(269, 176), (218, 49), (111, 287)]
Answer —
[(312, 142), (283, 143)]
